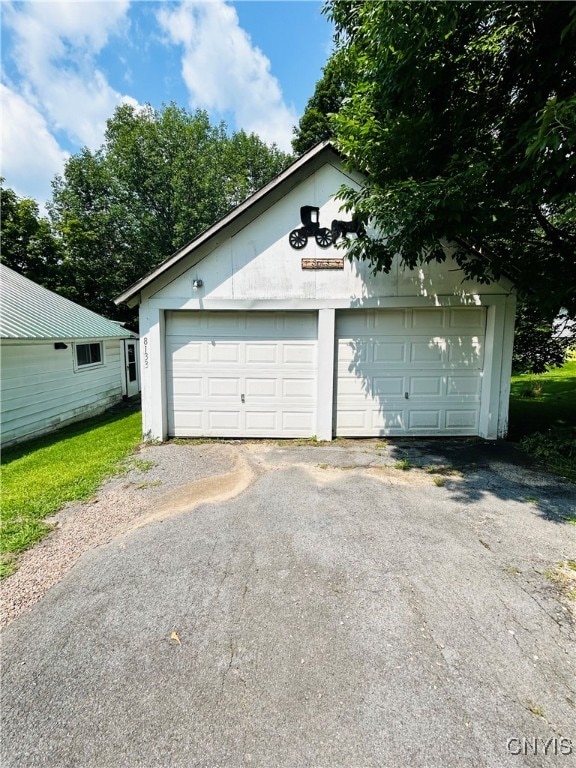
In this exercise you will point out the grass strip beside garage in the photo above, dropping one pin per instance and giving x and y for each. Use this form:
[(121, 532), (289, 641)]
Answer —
[(543, 417), (543, 401), (40, 476)]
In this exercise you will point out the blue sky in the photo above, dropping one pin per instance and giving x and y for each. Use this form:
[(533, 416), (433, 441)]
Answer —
[(67, 64)]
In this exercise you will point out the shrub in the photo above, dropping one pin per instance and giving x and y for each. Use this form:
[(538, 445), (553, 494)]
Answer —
[(555, 448)]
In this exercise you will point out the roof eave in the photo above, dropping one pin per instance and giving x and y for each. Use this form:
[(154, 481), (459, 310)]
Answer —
[(71, 339)]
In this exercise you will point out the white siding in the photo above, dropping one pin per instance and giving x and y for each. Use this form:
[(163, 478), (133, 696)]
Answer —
[(41, 391)]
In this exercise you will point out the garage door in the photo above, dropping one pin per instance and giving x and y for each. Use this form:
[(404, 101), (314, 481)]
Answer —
[(241, 374), (409, 371)]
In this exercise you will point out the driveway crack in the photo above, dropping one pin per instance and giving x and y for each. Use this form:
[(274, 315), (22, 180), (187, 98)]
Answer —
[(228, 668)]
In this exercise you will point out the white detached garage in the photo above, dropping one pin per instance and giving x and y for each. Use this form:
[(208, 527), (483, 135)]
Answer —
[(259, 328)]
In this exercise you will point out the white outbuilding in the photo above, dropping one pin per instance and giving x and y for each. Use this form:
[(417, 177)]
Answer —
[(260, 328), (60, 362)]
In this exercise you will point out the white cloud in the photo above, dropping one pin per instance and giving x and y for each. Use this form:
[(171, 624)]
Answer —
[(224, 71), (30, 154), (55, 44)]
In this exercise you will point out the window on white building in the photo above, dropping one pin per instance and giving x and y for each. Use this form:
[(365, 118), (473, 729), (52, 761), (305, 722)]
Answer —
[(89, 354)]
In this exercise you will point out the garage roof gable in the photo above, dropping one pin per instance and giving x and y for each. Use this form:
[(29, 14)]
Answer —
[(252, 207)]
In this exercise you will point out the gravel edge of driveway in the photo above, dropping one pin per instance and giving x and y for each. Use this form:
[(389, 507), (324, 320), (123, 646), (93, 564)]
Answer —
[(122, 502)]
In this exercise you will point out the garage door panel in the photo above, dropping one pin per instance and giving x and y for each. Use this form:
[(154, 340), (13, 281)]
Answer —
[(463, 386), (360, 389), (355, 323), (228, 421), (241, 373), (259, 354), (424, 419), (183, 324), (467, 318), (220, 324), (186, 420), (414, 371), (466, 352), (387, 352), (244, 325), (261, 388), (220, 387), (187, 387), (199, 324), (182, 351), (223, 353), (388, 419), (299, 389), (257, 421), (459, 419), (353, 419), (388, 386), (297, 421), (299, 354), (253, 323), (427, 386), (433, 351), (428, 320), (350, 386), (395, 320), (349, 352)]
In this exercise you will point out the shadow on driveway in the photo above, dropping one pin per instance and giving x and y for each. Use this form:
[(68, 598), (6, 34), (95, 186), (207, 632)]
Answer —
[(495, 468)]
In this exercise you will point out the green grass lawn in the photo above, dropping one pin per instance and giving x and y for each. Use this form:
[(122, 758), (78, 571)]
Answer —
[(539, 402), (40, 476), (543, 417)]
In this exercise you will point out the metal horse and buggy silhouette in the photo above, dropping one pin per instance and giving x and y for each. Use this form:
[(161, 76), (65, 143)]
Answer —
[(324, 237)]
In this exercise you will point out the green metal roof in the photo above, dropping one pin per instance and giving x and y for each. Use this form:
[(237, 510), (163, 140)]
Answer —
[(28, 311)]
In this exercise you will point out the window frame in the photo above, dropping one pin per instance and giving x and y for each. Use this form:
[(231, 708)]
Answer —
[(91, 365)]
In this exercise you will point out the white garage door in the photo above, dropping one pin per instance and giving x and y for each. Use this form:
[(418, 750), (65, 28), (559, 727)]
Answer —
[(409, 371), (241, 374)]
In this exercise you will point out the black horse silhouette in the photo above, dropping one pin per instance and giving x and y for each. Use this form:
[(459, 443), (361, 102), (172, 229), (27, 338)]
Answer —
[(344, 228)]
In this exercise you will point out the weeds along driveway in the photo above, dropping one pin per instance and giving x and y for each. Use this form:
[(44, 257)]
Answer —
[(284, 605)]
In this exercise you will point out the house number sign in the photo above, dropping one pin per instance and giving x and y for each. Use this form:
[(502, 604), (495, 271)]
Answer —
[(145, 351)]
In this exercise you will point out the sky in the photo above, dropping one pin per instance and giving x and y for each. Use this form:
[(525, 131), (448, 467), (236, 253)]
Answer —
[(67, 64)]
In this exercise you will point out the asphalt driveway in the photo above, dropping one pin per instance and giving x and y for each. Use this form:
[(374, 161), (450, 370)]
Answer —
[(281, 605)]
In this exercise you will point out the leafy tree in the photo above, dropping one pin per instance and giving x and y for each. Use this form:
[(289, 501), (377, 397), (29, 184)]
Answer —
[(463, 117), (28, 245), (247, 165), (541, 341), (100, 234), (160, 178), (167, 166), (315, 124)]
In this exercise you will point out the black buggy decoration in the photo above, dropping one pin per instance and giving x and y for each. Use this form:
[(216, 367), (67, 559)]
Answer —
[(310, 218)]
